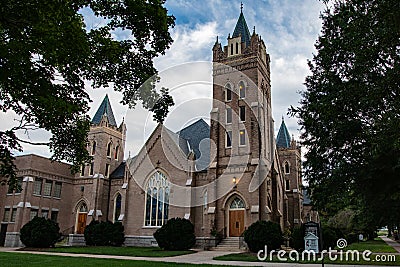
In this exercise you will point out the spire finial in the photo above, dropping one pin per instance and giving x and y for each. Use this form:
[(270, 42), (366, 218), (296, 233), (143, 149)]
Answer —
[(241, 7), (283, 119)]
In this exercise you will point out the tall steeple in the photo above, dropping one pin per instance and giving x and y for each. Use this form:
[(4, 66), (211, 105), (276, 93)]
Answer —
[(241, 28), (283, 138), (105, 110)]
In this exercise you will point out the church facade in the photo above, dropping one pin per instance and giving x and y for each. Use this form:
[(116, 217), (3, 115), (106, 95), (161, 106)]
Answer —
[(222, 176)]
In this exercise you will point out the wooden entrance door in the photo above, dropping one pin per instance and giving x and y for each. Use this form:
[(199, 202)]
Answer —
[(236, 222), (81, 224)]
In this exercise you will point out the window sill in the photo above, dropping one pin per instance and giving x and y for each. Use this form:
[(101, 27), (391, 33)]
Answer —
[(47, 196), (36, 195), (58, 198)]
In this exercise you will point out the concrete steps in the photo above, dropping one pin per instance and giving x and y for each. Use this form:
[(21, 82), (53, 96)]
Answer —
[(228, 244)]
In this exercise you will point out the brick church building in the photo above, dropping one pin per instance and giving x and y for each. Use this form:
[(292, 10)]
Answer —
[(222, 176)]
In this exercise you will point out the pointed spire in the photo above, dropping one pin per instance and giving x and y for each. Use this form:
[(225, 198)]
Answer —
[(104, 110), (241, 7), (241, 28), (283, 139)]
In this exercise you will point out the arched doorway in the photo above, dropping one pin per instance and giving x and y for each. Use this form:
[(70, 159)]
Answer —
[(236, 216), (81, 218)]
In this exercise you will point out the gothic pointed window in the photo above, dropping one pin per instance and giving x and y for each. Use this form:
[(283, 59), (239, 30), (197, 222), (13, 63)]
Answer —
[(228, 142), (157, 200), (287, 168), (237, 203), (109, 149), (228, 92), (242, 89), (242, 137), (116, 153), (117, 207), (228, 115), (237, 48), (94, 148)]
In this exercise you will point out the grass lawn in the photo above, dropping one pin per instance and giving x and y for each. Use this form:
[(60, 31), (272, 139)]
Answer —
[(120, 251), (377, 245), (12, 259), (253, 258)]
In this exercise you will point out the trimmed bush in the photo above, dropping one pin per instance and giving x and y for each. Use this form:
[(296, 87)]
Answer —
[(176, 234), (104, 234), (329, 237), (263, 233), (40, 233)]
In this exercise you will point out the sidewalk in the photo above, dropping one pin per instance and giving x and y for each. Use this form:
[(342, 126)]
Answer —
[(391, 243), (201, 257)]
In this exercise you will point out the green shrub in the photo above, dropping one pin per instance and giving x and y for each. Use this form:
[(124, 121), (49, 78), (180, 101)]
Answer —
[(297, 238), (351, 238), (104, 234), (40, 233), (263, 233), (176, 234), (329, 237)]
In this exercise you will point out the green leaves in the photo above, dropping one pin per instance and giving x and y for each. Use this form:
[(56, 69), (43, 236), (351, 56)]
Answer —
[(350, 112), (47, 54)]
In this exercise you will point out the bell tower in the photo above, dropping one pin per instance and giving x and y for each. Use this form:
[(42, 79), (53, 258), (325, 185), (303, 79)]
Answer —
[(242, 133), (241, 115)]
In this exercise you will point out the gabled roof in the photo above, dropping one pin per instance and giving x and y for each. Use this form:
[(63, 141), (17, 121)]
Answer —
[(242, 29), (119, 172), (105, 110), (283, 139), (197, 136)]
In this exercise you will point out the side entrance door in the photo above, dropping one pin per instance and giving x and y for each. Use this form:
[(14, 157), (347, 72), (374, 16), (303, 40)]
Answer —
[(236, 222), (3, 232)]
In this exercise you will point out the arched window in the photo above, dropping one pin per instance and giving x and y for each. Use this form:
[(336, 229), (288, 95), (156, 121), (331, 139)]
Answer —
[(205, 200), (116, 153), (228, 92), (231, 49), (157, 200), (109, 149), (117, 207), (94, 148), (237, 203), (287, 168), (237, 48), (242, 89), (83, 207)]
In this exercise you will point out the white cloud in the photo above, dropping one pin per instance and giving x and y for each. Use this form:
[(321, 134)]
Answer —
[(288, 27)]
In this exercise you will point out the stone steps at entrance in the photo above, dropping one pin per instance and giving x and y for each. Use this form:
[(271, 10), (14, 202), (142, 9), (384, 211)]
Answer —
[(228, 244)]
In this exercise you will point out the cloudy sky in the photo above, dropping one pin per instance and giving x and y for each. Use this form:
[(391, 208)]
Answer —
[(288, 27)]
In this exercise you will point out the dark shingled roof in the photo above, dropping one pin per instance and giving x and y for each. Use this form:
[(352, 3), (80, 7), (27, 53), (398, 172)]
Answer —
[(119, 172), (283, 139), (105, 109), (197, 136), (242, 29)]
